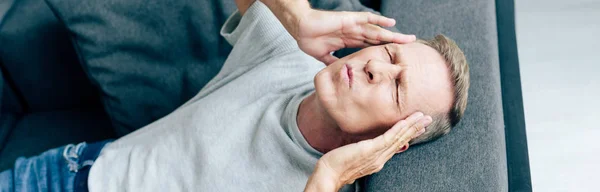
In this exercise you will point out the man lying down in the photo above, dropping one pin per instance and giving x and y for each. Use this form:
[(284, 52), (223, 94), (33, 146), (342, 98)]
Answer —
[(275, 118)]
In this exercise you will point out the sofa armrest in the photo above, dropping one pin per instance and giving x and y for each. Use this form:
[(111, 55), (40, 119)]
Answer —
[(519, 176)]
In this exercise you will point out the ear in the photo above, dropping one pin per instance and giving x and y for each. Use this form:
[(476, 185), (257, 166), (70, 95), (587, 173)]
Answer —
[(404, 148)]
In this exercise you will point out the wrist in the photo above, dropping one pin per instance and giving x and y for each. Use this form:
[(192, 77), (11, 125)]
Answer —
[(323, 179)]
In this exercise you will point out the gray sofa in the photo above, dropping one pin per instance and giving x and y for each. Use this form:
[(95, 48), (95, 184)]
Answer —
[(52, 93)]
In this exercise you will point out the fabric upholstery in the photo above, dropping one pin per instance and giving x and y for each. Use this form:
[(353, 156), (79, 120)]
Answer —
[(7, 123), (519, 175), (9, 102), (37, 132), (10, 110), (4, 6), (39, 59), (472, 157), (147, 56)]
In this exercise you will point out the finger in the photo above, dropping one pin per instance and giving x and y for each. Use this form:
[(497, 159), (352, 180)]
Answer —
[(403, 38), (402, 142), (372, 18), (409, 134), (354, 43), (419, 133), (385, 146), (328, 59), (372, 42), (392, 134), (390, 139), (417, 125), (374, 32)]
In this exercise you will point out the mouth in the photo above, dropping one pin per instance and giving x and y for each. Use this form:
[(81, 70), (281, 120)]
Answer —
[(347, 74)]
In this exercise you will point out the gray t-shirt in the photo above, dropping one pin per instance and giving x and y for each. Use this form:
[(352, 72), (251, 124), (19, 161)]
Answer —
[(239, 133)]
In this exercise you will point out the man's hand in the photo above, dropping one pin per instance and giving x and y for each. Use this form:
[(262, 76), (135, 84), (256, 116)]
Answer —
[(346, 164), (321, 32)]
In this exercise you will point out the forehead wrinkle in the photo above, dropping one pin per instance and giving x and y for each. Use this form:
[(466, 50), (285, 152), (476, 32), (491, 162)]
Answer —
[(425, 104), (417, 62), (433, 68)]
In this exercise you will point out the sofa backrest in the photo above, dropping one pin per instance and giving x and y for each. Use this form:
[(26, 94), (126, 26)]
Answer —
[(39, 61), (472, 157)]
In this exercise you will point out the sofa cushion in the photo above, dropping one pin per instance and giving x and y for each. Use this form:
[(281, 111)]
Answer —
[(4, 7), (9, 101), (39, 59), (7, 123), (472, 157), (147, 56), (10, 109), (37, 132)]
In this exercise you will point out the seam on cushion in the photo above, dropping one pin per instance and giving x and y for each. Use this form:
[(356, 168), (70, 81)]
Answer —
[(23, 106), (74, 43), (93, 81), (84, 65)]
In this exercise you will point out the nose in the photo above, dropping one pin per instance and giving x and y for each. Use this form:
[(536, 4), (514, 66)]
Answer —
[(378, 71)]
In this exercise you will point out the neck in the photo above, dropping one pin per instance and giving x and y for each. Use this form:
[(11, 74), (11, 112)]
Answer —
[(317, 126)]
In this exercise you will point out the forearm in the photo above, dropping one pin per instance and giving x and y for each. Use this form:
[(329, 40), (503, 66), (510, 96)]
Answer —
[(243, 5), (288, 12)]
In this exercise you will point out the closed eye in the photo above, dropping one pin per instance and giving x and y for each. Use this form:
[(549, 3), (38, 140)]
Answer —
[(389, 54), (397, 81)]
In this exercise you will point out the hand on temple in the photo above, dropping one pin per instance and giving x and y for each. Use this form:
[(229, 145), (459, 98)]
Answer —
[(346, 164), (321, 32)]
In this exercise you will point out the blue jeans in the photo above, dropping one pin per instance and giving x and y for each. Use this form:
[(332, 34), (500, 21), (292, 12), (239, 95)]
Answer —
[(61, 169)]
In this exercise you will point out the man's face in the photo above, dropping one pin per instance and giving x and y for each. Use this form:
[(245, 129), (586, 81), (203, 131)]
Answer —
[(369, 91)]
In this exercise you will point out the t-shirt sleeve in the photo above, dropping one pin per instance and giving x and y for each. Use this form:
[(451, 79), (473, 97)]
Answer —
[(256, 36)]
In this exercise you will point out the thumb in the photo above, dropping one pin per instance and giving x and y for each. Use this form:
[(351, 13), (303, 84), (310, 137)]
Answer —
[(328, 59)]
